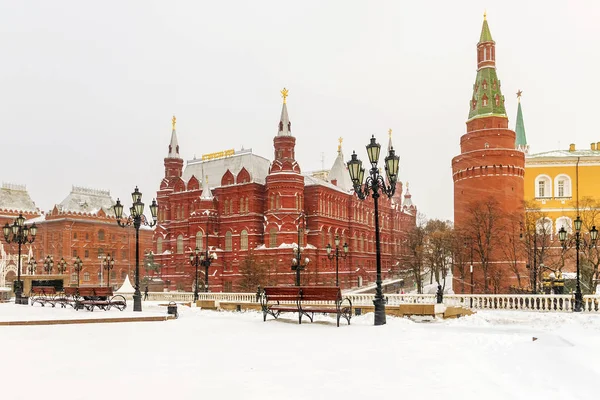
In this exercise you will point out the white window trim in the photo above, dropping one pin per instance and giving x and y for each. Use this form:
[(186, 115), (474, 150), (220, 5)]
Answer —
[(547, 190), (567, 187)]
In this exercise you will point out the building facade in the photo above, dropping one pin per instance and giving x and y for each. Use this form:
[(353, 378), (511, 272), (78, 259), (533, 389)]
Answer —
[(83, 225), (253, 213)]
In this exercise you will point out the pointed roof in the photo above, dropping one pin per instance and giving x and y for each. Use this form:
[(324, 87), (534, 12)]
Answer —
[(390, 145), (521, 138), (487, 99), (15, 197), (173, 146), (339, 171), (206, 192), (87, 200), (486, 35), (126, 286), (285, 126), (407, 203)]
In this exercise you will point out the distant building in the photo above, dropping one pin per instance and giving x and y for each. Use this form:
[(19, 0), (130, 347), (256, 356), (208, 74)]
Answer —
[(82, 225), (248, 210)]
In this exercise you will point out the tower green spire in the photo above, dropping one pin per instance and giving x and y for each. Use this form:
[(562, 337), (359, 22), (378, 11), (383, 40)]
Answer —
[(486, 35), (487, 99), (521, 139)]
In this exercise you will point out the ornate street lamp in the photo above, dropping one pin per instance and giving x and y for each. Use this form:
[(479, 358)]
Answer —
[(374, 184), (336, 255), (137, 219), (297, 263), (108, 264), (578, 240), (31, 267), (20, 234), (48, 264), (204, 259), (62, 266), (78, 266)]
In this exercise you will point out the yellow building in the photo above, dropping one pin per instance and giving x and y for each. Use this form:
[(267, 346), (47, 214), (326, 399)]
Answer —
[(555, 181)]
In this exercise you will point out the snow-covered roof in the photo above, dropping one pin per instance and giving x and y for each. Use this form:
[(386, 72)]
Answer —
[(87, 200), (15, 197), (339, 173), (257, 167), (310, 180), (563, 154)]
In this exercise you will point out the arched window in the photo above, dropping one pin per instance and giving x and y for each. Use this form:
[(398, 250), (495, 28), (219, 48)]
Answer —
[(565, 222), (244, 240), (543, 186), (199, 240), (231, 207), (226, 208), (73, 277), (278, 202), (273, 238), (159, 245), (241, 205), (180, 244), (101, 235), (228, 244), (543, 226), (86, 276), (562, 186)]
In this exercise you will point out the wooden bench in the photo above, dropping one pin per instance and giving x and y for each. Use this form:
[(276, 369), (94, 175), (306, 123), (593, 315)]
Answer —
[(303, 300), (98, 297), (67, 297), (43, 295)]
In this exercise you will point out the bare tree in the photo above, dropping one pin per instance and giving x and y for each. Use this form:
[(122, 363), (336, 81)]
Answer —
[(484, 227), (438, 249), (589, 212), (413, 254), (253, 274), (512, 245), (537, 242)]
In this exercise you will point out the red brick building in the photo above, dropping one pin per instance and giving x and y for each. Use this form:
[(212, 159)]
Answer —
[(82, 225), (248, 211), (489, 165)]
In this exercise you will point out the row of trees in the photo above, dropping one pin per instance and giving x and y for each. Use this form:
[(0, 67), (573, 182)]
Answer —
[(503, 248)]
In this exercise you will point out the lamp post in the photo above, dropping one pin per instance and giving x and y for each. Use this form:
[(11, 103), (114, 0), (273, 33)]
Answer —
[(62, 266), (297, 263), (20, 234), (137, 219), (48, 264), (195, 261), (108, 263), (78, 266), (562, 236), (374, 184), (31, 267), (336, 255)]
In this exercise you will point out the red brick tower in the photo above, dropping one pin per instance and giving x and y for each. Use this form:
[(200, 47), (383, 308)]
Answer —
[(284, 187), (488, 164)]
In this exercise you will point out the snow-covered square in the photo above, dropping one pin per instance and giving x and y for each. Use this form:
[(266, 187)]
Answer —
[(235, 355)]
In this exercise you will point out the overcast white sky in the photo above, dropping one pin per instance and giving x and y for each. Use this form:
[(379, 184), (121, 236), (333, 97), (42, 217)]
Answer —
[(88, 89)]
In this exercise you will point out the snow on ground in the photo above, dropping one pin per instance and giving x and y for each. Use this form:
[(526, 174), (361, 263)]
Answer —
[(228, 355)]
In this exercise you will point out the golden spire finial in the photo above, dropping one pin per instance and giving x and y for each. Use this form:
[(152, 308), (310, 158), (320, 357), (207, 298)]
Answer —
[(390, 132), (174, 122), (519, 93), (484, 15), (284, 94), (340, 140)]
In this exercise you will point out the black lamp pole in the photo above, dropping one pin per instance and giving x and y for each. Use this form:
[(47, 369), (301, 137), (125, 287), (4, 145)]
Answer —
[(78, 266), (108, 263), (336, 255), (373, 185), (195, 261), (297, 262), (48, 264), (562, 236), (20, 234), (137, 219)]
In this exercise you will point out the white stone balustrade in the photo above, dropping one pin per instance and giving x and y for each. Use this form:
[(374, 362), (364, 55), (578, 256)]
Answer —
[(527, 302)]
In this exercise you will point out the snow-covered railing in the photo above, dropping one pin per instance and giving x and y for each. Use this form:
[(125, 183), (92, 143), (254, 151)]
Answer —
[(528, 302)]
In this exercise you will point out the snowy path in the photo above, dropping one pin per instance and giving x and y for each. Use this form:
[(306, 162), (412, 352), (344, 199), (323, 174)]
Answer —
[(226, 355)]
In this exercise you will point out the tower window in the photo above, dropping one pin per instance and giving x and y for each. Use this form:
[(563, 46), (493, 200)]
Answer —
[(484, 85)]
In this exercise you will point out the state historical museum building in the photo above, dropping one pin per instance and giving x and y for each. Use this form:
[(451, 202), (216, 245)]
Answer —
[(252, 213)]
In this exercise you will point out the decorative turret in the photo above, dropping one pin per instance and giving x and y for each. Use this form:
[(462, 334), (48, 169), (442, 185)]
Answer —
[(284, 143), (173, 161), (487, 99), (407, 204), (521, 141), (338, 174)]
